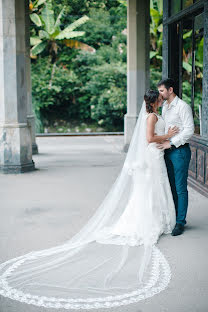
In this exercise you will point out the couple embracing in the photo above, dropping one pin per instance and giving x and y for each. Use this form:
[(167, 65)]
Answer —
[(170, 133), (113, 260), (158, 161)]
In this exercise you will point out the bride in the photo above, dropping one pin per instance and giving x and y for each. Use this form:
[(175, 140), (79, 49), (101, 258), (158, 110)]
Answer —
[(112, 260)]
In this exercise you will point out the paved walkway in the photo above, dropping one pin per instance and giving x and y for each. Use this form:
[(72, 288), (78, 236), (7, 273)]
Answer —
[(46, 207)]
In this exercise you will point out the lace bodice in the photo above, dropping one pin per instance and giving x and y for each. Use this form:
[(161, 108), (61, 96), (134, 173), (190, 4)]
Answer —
[(159, 130), (160, 125)]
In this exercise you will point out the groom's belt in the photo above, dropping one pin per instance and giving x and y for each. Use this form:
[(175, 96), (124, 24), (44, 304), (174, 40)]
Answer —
[(174, 147)]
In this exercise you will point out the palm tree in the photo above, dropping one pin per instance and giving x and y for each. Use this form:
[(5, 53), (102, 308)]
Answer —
[(50, 32)]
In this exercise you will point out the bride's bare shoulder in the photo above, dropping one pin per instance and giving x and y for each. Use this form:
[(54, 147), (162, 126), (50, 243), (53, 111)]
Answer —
[(152, 117)]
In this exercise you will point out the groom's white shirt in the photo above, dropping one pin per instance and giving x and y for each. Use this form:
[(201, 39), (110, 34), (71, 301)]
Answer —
[(178, 114)]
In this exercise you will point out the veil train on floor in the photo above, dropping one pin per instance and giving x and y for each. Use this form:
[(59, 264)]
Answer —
[(99, 267)]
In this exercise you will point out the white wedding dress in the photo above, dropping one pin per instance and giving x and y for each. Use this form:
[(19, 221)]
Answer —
[(155, 193), (113, 260)]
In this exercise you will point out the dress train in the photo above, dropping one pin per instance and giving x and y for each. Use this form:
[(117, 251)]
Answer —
[(113, 260)]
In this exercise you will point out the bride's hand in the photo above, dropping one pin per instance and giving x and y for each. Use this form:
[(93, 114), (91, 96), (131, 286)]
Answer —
[(172, 131)]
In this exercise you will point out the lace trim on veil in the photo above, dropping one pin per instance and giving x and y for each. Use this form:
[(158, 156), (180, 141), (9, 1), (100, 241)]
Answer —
[(154, 286), (130, 286)]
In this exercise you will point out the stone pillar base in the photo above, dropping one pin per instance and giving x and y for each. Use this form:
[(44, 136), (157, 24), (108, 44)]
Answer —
[(15, 148), (15, 169), (129, 125)]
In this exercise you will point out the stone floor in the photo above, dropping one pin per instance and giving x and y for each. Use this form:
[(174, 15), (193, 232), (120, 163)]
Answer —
[(46, 207)]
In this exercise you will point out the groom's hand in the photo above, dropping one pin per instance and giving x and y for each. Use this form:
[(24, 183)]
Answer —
[(164, 145)]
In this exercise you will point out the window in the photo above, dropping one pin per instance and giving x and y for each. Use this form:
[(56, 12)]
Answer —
[(178, 5), (192, 66), (186, 3), (175, 6)]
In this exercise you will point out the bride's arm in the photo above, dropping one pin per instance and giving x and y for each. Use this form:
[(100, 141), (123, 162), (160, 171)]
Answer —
[(151, 136)]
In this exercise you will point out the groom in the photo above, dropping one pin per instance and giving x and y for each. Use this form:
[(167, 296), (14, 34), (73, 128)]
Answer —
[(177, 113)]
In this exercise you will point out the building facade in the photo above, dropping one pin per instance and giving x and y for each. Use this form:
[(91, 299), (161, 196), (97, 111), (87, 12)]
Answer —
[(185, 59)]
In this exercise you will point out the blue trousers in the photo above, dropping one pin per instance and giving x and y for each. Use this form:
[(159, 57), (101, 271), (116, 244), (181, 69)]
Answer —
[(177, 162)]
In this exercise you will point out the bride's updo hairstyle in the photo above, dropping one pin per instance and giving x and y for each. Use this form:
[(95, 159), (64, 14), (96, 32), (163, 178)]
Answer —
[(150, 97)]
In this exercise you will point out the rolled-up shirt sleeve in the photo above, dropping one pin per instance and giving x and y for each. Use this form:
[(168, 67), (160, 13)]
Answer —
[(187, 131)]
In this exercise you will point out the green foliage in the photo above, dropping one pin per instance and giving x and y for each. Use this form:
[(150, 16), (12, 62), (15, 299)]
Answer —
[(70, 84), (36, 19), (51, 30), (187, 73), (98, 29), (107, 88), (156, 76), (89, 87), (54, 101), (197, 101), (156, 32), (102, 84)]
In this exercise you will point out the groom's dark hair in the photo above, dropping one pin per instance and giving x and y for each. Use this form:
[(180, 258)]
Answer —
[(167, 82)]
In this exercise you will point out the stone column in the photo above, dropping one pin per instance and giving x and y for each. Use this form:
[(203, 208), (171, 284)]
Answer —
[(205, 75), (137, 63), (30, 115), (15, 136)]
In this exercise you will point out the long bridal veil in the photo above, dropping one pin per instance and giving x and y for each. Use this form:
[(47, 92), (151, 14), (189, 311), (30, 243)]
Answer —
[(99, 267)]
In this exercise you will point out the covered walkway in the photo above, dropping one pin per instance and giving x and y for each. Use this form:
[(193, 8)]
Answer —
[(46, 207)]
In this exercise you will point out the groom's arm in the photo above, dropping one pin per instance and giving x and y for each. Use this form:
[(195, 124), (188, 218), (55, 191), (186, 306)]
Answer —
[(186, 117)]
